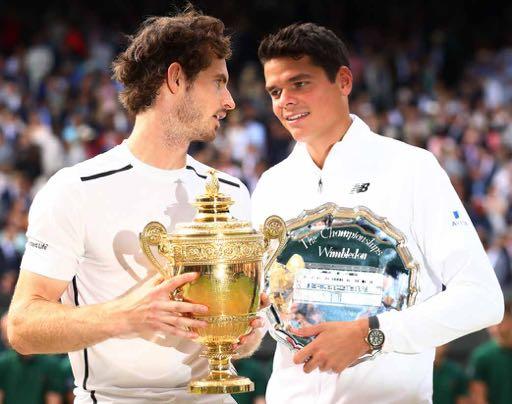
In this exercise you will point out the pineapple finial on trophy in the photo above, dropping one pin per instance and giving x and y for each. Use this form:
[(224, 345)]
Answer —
[(212, 185)]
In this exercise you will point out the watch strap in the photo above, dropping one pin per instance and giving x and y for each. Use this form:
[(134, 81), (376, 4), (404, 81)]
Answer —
[(373, 323)]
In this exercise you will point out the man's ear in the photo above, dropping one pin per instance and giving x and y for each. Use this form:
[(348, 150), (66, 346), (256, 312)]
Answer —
[(344, 80), (175, 77)]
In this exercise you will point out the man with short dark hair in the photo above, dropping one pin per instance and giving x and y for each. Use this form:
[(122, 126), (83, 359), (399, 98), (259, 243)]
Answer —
[(128, 342), (339, 159)]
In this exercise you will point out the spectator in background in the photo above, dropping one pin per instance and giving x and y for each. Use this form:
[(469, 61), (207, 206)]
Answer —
[(491, 364), (6, 152), (450, 380)]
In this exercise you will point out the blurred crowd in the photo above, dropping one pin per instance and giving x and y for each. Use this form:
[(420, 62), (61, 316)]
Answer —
[(59, 106)]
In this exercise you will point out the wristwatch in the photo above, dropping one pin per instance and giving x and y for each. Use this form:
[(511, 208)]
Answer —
[(375, 338)]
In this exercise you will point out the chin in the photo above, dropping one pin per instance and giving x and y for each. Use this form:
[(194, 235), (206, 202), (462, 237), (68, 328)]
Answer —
[(207, 136), (298, 135)]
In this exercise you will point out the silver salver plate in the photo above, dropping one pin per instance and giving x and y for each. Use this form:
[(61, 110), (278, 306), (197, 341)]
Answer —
[(337, 264)]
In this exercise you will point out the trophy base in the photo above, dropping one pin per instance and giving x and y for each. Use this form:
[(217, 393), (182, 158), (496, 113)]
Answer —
[(226, 384)]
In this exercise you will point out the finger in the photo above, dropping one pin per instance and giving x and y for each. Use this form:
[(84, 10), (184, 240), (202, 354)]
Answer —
[(304, 354), (312, 364), (182, 321), (185, 307), (247, 337), (257, 323), (323, 367), (264, 301), (308, 331), (174, 283), (179, 332)]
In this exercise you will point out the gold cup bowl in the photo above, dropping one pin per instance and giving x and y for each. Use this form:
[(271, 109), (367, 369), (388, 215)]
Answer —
[(227, 253)]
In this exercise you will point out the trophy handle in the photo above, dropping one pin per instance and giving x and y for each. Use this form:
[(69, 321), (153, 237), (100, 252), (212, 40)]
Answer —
[(274, 228), (155, 234)]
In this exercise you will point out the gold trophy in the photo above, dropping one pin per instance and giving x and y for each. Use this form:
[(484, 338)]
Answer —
[(227, 253)]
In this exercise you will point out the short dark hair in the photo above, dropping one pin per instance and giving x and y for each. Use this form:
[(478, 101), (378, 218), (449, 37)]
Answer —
[(322, 46), (189, 38)]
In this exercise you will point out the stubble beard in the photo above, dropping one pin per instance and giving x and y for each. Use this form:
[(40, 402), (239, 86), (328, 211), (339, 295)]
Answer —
[(185, 124)]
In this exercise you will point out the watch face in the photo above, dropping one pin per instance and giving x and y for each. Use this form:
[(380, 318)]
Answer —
[(376, 338)]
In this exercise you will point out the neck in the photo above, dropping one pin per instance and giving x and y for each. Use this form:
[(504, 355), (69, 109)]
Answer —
[(320, 147), (149, 143)]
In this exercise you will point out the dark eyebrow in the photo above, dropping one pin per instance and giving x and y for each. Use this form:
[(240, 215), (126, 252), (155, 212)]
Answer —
[(297, 77)]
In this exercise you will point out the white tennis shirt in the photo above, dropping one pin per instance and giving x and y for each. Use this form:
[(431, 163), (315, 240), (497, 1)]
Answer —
[(84, 228), (406, 185)]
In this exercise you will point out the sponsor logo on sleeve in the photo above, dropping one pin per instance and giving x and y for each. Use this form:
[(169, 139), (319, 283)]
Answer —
[(457, 220), (38, 244)]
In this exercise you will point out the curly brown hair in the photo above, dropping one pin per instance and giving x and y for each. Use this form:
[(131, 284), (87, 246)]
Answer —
[(322, 45), (189, 38)]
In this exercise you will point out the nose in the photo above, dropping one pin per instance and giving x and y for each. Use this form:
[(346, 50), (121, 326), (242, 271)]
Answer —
[(228, 103), (286, 99)]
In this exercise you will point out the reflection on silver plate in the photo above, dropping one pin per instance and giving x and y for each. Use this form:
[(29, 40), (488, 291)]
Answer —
[(337, 264)]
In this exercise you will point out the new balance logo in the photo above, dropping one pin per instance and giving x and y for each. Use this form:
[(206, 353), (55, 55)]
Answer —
[(357, 188)]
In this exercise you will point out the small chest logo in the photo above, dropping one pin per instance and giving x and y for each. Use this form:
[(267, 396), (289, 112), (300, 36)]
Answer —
[(38, 244), (362, 187), (458, 220)]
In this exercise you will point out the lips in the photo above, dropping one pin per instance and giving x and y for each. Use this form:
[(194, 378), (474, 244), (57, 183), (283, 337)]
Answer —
[(296, 117), (220, 115)]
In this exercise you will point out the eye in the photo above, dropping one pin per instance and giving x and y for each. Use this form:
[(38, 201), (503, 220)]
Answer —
[(218, 82), (275, 93), (300, 84)]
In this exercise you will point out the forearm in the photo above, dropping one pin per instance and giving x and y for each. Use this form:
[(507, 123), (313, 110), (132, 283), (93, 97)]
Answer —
[(472, 300), (40, 326)]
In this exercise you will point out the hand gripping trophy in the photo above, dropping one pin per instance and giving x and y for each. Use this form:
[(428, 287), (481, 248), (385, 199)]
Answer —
[(227, 253)]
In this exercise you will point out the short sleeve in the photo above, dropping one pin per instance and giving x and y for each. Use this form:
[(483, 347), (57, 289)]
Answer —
[(56, 228)]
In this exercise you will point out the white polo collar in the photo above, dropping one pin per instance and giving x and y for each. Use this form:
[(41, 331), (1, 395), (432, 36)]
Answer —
[(346, 149)]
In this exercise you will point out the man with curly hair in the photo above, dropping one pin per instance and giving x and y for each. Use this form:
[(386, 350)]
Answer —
[(127, 341)]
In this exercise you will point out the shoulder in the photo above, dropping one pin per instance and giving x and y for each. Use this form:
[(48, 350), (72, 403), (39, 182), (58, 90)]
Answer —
[(100, 165), (65, 189), (395, 149), (104, 164)]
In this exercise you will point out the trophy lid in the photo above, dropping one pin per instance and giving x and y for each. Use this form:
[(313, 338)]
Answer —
[(213, 216)]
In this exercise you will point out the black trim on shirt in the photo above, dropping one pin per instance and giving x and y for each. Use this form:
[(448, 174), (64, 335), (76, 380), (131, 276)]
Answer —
[(106, 173), (86, 357), (234, 184)]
